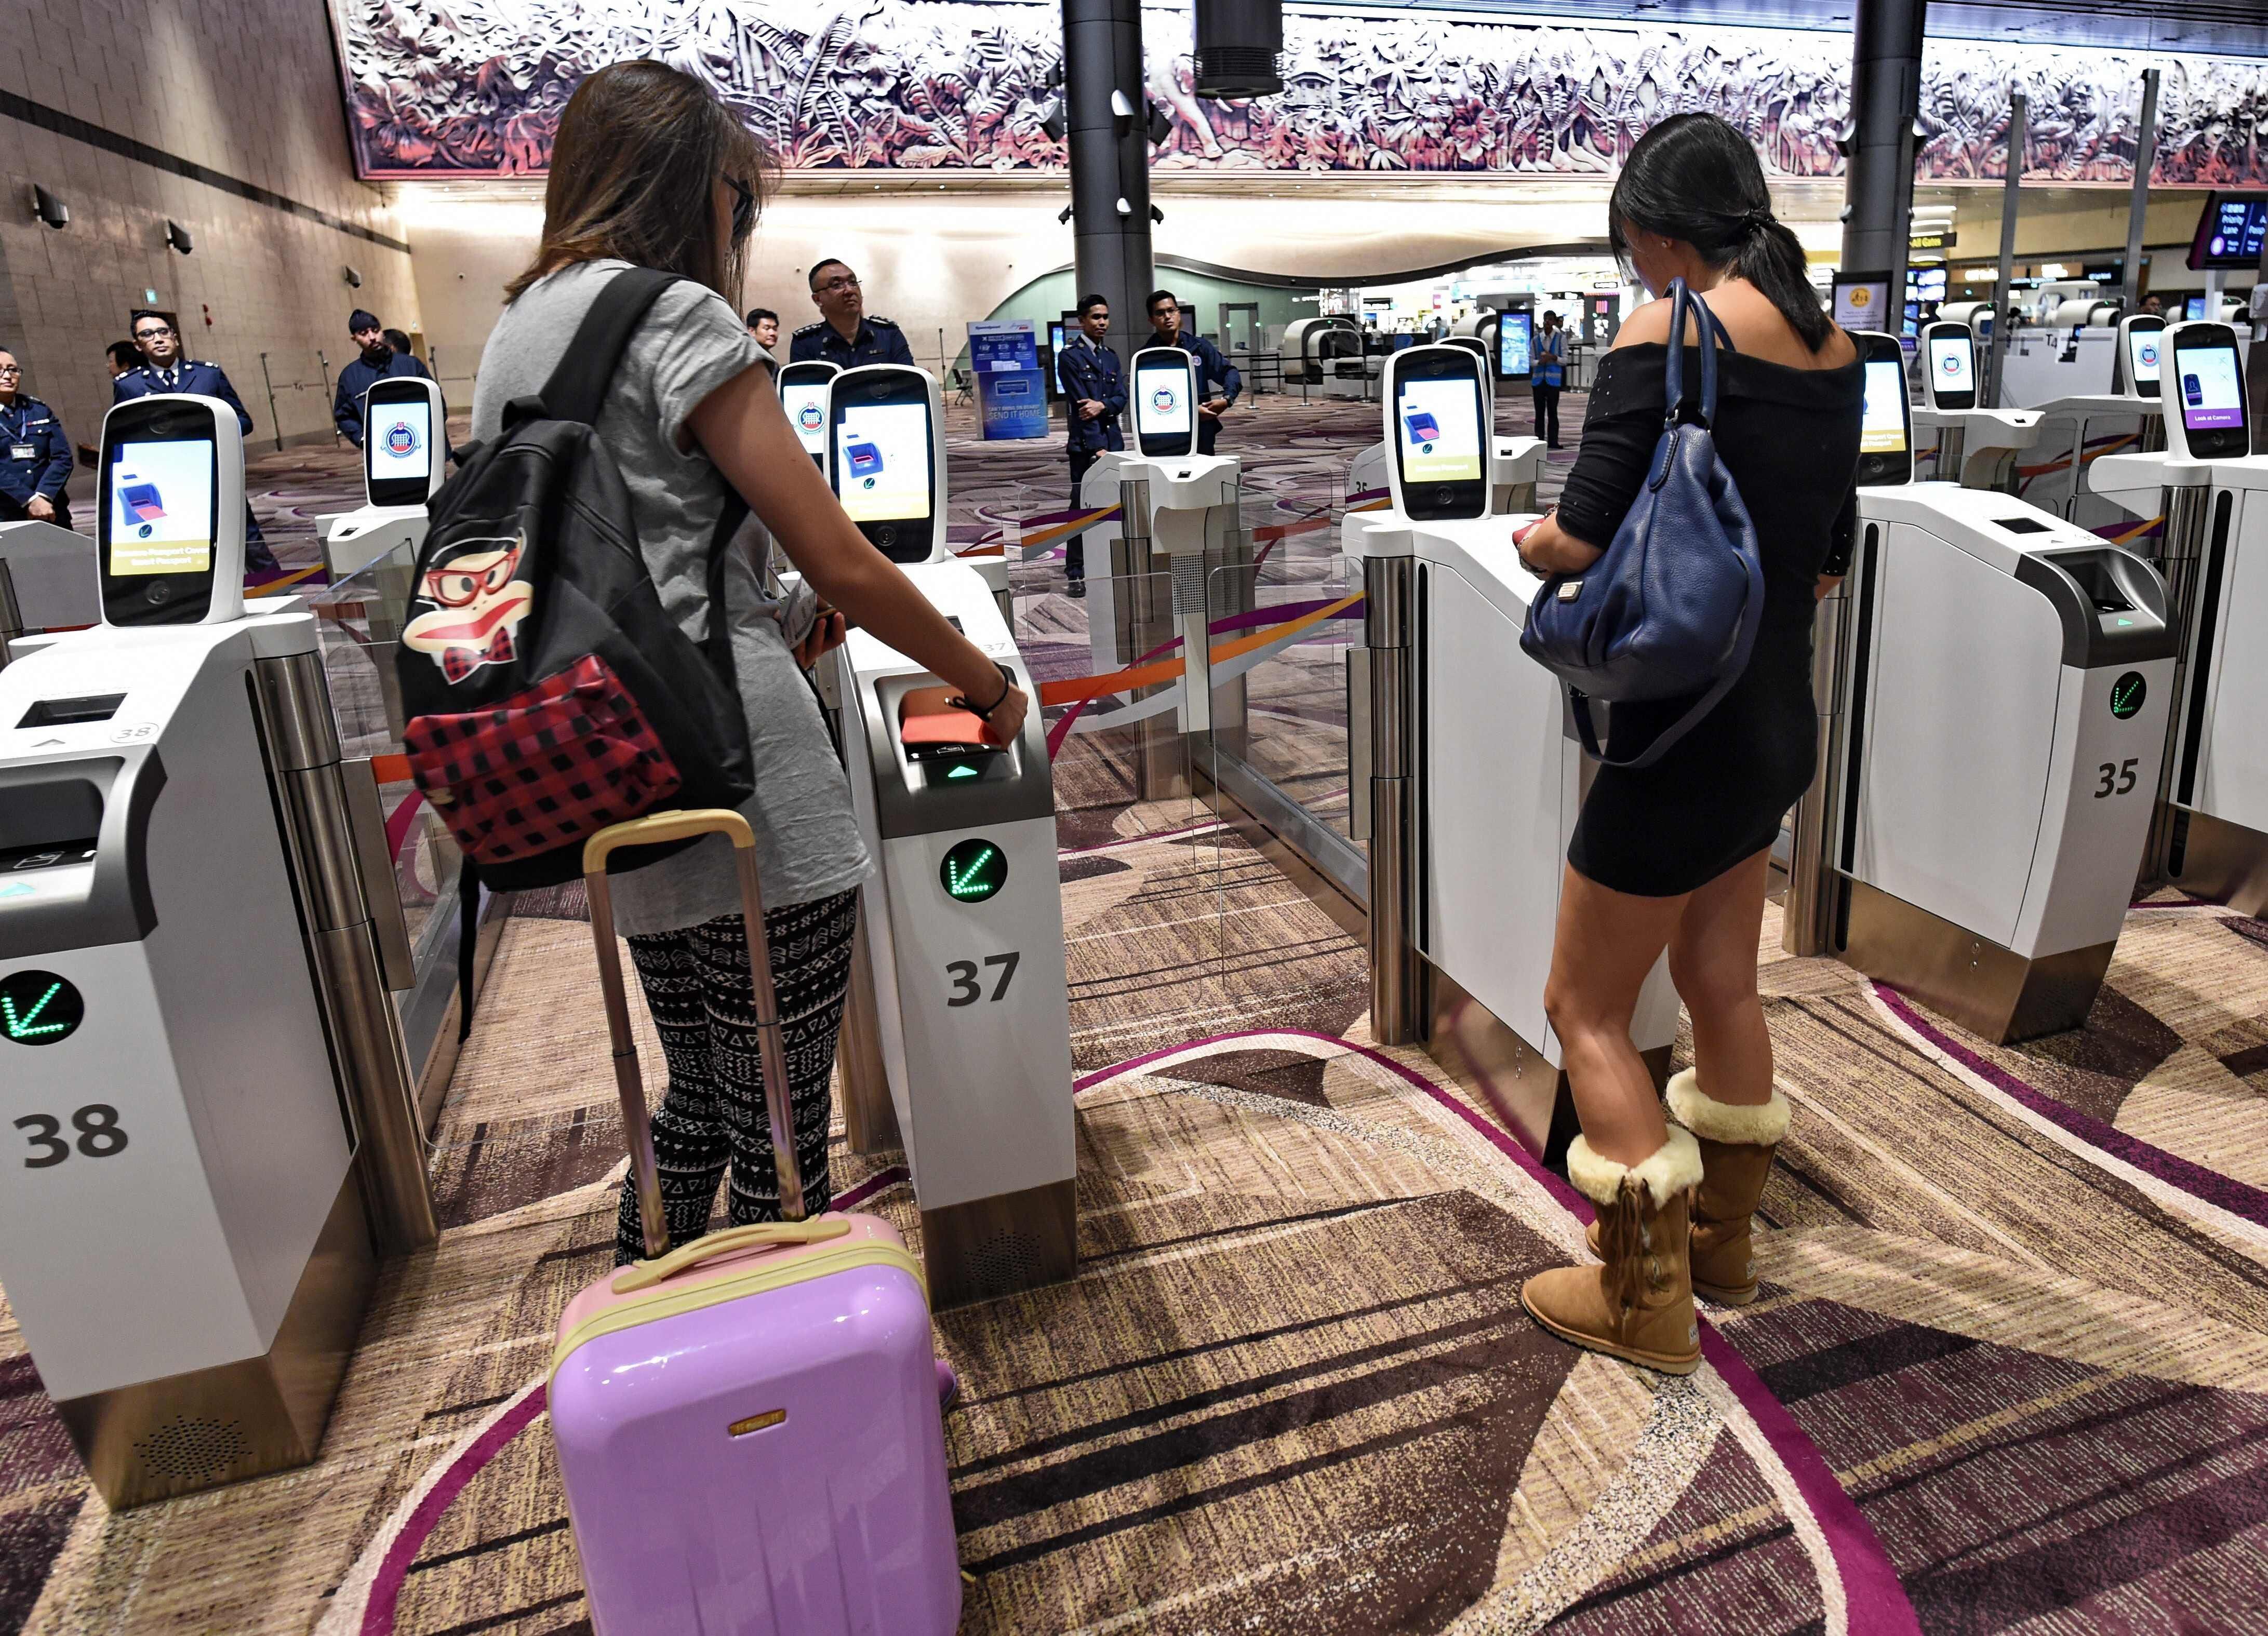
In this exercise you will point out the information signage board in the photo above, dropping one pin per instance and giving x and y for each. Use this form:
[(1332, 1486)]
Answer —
[(1011, 394)]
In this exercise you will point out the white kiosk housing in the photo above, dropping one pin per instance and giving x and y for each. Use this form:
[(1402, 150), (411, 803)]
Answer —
[(2080, 427), (1475, 775), (187, 1244), (2001, 698), (1975, 446), (405, 449), (803, 397), (2212, 494)]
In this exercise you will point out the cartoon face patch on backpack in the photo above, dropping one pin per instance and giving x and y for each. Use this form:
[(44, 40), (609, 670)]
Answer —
[(473, 603)]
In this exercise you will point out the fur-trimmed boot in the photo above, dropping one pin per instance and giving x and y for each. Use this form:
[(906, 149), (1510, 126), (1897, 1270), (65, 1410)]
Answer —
[(1639, 1304), (1737, 1144)]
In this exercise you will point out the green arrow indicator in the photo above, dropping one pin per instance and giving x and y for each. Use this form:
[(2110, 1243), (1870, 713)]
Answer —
[(38, 1008), (963, 771), (28, 1026), (973, 871)]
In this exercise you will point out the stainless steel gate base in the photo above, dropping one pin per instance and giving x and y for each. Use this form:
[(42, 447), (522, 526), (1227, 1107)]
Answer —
[(1986, 988), (988, 1248), (1485, 1055), (2221, 862), (156, 1439)]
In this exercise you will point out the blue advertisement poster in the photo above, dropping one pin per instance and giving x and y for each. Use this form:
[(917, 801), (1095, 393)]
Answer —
[(1012, 395)]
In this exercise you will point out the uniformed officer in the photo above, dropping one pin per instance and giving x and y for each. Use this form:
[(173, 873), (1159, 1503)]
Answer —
[(1166, 321), (35, 457), (1094, 386), (378, 360), (844, 336), (165, 370)]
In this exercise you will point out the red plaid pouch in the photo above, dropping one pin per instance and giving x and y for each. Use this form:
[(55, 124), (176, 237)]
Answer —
[(546, 768)]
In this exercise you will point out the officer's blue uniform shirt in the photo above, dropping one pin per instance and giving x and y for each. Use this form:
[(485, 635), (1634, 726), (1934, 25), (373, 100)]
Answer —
[(356, 378), (1089, 371), (35, 457), (1211, 365), (189, 375), (877, 341)]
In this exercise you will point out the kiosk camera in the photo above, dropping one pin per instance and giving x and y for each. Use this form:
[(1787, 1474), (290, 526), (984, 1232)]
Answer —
[(1981, 861), (2134, 369), (2211, 837), (1975, 447), (1467, 774), (886, 457), (404, 459), (964, 941), (200, 1142), (803, 397)]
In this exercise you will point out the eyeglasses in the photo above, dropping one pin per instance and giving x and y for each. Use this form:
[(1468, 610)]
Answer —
[(743, 206), (11, 368), (152, 334), (457, 588), (835, 286)]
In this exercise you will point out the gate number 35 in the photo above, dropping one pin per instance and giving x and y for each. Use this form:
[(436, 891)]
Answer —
[(966, 991), (99, 1135), (2117, 781)]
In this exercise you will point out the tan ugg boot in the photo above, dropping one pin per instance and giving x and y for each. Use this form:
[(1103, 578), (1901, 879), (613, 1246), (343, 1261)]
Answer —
[(1737, 1144), (1639, 1304)]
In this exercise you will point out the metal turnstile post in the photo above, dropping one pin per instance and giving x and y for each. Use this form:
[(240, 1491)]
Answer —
[(1952, 447), (1399, 1003), (11, 616), (301, 738), (1145, 610), (1809, 913), (2179, 559)]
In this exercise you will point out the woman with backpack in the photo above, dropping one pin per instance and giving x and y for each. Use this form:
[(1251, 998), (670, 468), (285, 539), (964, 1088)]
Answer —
[(1673, 854), (649, 169), (1550, 375)]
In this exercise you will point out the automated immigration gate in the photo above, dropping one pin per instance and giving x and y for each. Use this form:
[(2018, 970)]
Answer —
[(1993, 719), (207, 1147), (2210, 834), (404, 459), (1475, 775)]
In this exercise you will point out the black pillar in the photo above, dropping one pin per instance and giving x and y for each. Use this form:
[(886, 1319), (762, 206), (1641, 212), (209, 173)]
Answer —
[(1109, 161), (1878, 176)]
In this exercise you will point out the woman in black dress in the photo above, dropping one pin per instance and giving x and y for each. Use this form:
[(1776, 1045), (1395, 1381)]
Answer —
[(1674, 855)]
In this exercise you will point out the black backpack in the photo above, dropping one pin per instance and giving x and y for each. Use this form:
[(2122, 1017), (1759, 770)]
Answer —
[(548, 694)]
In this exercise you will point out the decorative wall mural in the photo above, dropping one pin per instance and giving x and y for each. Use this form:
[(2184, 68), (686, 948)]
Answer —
[(442, 88)]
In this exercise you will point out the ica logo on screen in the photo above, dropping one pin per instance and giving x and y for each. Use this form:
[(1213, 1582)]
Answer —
[(808, 417), (1163, 399), (401, 440)]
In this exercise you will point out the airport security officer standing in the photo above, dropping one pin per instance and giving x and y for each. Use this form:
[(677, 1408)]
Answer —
[(165, 370), (1094, 386), (377, 360), (1167, 321), (35, 457), (844, 336)]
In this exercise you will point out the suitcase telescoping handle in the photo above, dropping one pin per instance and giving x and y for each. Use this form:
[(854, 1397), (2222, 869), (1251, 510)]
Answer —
[(772, 1050), (731, 1240)]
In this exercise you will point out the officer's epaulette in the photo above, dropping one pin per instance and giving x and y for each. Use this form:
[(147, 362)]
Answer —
[(813, 329), (876, 317)]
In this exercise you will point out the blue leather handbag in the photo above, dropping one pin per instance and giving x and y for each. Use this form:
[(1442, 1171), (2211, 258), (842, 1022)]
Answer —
[(1671, 609)]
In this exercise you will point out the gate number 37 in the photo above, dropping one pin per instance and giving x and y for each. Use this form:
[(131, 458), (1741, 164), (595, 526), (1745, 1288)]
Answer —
[(966, 991), (2117, 781)]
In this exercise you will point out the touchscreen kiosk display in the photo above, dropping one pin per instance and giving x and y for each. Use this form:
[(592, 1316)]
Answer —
[(161, 503), (1885, 444), (2145, 342), (805, 403), (2212, 393), (398, 451), (1952, 365), (1164, 417), (1515, 344), (882, 461), (1440, 414)]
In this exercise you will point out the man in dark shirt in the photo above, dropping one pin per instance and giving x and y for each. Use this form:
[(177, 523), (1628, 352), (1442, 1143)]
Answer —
[(164, 369), (763, 324), (1169, 324), (1094, 391), (845, 336), (378, 360)]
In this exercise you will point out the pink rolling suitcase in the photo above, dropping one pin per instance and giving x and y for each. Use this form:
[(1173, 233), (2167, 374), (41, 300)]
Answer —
[(748, 1427)]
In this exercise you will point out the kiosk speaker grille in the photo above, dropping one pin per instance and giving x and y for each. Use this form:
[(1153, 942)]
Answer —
[(1006, 1261), (188, 1446)]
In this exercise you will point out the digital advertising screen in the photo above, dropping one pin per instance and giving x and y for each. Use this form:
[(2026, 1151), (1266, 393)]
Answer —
[(1161, 401), (2230, 232), (2212, 392), (881, 452), (163, 497), (1515, 344), (1952, 364), (1882, 427), (805, 404), (2142, 347), (1440, 422), (399, 443)]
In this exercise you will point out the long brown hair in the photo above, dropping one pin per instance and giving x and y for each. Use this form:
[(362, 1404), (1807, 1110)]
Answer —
[(640, 148)]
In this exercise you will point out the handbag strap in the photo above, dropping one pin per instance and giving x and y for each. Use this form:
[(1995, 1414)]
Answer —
[(1673, 374)]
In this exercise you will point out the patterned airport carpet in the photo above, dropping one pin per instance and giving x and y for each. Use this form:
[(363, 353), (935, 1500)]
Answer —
[(2010, 1371)]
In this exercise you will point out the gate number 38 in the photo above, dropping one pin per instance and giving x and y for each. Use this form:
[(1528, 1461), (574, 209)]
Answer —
[(99, 1135), (966, 991), (2117, 781)]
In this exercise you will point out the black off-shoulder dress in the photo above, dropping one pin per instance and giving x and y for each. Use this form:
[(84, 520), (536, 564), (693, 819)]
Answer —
[(1790, 439)]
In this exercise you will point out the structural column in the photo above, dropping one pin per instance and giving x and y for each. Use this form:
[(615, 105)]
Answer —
[(1106, 112), (1878, 172)]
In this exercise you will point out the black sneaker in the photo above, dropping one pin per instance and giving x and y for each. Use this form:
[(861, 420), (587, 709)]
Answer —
[(1076, 590)]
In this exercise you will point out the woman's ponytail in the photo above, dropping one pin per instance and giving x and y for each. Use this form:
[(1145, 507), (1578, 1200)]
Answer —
[(1772, 259)]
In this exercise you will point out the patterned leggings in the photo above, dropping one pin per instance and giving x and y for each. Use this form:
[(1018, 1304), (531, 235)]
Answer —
[(696, 986)]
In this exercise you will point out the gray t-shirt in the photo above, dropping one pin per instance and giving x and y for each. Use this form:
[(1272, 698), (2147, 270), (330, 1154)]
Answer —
[(690, 344)]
